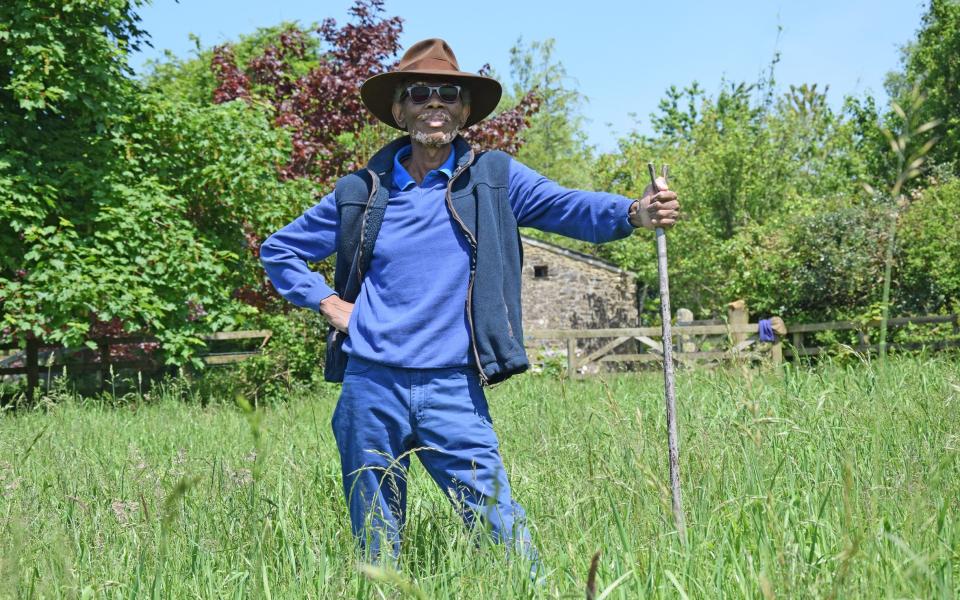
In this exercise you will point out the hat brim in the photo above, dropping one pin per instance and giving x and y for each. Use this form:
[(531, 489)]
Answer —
[(377, 93)]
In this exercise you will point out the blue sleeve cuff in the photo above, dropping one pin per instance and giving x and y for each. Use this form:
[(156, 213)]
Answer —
[(623, 225), (320, 292)]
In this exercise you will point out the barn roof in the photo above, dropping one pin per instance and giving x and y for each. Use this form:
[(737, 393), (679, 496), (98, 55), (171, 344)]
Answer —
[(580, 256)]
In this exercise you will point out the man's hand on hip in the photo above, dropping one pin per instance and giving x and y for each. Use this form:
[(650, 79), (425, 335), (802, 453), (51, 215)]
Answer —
[(337, 312), (654, 210)]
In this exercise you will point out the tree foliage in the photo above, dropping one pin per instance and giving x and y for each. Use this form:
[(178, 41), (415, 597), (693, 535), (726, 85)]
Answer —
[(88, 235), (748, 162), (322, 107), (555, 143), (776, 212), (932, 62), (112, 201), (928, 256)]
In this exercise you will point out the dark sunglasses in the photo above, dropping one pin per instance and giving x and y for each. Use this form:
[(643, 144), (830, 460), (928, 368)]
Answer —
[(420, 93)]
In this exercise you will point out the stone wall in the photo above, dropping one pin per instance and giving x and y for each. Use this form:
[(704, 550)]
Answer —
[(562, 289)]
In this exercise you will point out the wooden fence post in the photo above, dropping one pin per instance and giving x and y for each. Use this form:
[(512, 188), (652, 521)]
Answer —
[(776, 348), (33, 367), (737, 314), (571, 357), (776, 352), (685, 317), (797, 344)]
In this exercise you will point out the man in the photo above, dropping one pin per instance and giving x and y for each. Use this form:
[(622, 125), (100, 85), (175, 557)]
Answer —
[(426, 308)]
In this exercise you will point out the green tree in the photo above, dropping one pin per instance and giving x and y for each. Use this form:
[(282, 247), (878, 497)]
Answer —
[(193, 81), (748, 162), (63, 100), (89, 234), (932, 62), (555, 144)]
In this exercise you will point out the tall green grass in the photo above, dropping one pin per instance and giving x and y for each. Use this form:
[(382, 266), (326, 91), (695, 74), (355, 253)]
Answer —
[(833, 482)]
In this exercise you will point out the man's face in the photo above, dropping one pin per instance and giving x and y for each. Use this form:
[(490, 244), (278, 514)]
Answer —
[(434, 122)]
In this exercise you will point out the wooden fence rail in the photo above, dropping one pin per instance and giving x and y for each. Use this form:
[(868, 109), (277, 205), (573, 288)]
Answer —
[(737, 341), (730, 341), (106, 364)]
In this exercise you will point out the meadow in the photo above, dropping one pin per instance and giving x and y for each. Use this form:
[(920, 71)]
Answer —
[(835, 481)]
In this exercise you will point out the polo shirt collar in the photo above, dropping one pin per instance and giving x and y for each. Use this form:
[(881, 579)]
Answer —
[(403, 181)]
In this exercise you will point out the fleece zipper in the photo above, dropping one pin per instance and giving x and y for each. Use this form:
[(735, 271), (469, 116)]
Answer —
[(473, 264)]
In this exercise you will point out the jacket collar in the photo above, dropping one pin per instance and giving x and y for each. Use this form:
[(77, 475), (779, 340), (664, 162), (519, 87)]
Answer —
[(402, 180), (382, 161)]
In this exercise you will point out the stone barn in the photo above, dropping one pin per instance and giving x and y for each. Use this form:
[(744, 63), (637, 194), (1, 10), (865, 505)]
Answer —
[(564, 289)]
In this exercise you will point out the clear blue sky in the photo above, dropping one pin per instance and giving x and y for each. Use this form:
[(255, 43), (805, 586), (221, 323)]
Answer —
[(622, 55)]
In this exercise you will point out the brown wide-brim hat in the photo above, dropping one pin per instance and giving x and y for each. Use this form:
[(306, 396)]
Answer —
[(432, 58)]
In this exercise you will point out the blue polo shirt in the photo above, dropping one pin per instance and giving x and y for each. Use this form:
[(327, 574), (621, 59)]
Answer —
[(411, 307), (410, 311)]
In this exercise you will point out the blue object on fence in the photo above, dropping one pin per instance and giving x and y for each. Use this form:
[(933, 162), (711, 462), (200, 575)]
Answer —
[(765, 331)]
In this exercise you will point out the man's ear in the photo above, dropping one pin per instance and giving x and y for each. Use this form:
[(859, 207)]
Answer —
[(397, 111), (466, 115)]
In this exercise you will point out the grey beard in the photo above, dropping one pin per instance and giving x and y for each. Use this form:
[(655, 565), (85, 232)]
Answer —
[(434, 140)]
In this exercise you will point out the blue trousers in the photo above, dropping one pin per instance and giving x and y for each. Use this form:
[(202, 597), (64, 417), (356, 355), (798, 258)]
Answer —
[(384, 415)]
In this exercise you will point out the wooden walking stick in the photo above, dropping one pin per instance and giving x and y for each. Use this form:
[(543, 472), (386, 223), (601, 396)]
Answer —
[(668, 368)]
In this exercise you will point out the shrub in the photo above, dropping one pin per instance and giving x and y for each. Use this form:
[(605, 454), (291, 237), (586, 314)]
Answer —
[(294, 354), (928, 260)]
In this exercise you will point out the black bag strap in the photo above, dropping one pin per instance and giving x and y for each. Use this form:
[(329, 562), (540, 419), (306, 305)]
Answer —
[(369, 225), (372, 220)]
